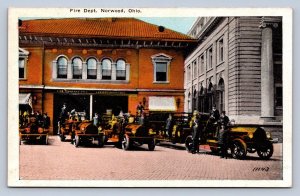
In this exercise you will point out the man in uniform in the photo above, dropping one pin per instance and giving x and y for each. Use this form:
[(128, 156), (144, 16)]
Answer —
[(195, 123), (46, 121), (214, 114), (223, 135), (169, 125)]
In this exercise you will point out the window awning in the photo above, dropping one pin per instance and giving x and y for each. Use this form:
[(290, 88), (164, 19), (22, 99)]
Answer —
[(162, 104), (25, 99)]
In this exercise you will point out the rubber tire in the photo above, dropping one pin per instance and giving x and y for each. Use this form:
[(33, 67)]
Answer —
[(151, 145), (238, 149), (266, 151), (125, 142), (189, 143), (77, 141), (62, 138), (101, 140)]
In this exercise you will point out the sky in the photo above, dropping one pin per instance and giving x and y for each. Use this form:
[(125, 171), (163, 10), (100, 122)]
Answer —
[(179, 24)]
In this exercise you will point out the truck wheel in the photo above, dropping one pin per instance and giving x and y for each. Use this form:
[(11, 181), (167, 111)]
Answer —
[(265, 151), (151, 145), (189, 143), (238, 149), (77, 141), (125, 142), (101, 140), (62, 138)]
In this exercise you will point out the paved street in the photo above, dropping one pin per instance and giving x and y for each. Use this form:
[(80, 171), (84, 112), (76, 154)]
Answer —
[(61, 160)]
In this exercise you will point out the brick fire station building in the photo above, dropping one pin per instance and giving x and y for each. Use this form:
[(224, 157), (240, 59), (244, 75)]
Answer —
[(95, 65)]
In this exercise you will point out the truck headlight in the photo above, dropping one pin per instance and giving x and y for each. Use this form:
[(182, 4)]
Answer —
[(268, 134), (250, 135), (133, 131), (151, 131)]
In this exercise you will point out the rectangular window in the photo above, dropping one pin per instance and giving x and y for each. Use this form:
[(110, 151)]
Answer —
[(189, 73), (195, 69), (21, 68), (201, 70), (220, 51), (161, 71), (209, 58), (278, 96)]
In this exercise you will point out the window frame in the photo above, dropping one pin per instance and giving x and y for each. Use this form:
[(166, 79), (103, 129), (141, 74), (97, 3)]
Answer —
[(89, 76), (161, 58), (276, 96), (57, 63), (201, 64), (195, 69), (117, 70), (23, 54), (104, 76), (210, 58), (220, 53)]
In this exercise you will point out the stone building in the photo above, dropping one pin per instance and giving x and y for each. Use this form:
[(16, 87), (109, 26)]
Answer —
[(236, 66), (97, 65)]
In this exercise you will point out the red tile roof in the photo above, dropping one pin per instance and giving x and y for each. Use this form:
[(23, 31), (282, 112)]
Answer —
[(102, 27)]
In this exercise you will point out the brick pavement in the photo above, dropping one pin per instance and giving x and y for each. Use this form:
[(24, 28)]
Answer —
[(61, 160)]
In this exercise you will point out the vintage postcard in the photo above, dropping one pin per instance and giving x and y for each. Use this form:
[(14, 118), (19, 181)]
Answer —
[(150, 97)]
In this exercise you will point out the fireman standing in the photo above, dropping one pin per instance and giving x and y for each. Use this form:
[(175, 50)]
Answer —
[(195, 125)]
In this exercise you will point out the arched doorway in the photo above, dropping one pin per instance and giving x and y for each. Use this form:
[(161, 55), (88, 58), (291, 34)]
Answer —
[(195, 100), (210, 97), (221, 96), (201, 99), (189, 103)]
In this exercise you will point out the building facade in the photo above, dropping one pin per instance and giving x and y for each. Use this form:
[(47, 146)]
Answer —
[(97, 65), (236, 66)]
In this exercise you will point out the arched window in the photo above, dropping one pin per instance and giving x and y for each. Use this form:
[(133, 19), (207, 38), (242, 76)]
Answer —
[(195, 99), (121, 70), (77, 68), (189, 103), (221, 95), (201, 99), (106, 69), (91, 68), (210, 97), (62, 66)]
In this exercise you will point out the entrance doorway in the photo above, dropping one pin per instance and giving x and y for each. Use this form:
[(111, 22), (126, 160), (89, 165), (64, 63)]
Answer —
[(114, 103), (81, 103)]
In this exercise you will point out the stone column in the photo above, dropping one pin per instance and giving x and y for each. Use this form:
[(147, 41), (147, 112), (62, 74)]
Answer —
[(99, 71), (54, 69), (267, 74), (113, 72), (69, 70), (91, 107), (84, 71), (127, 71)]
